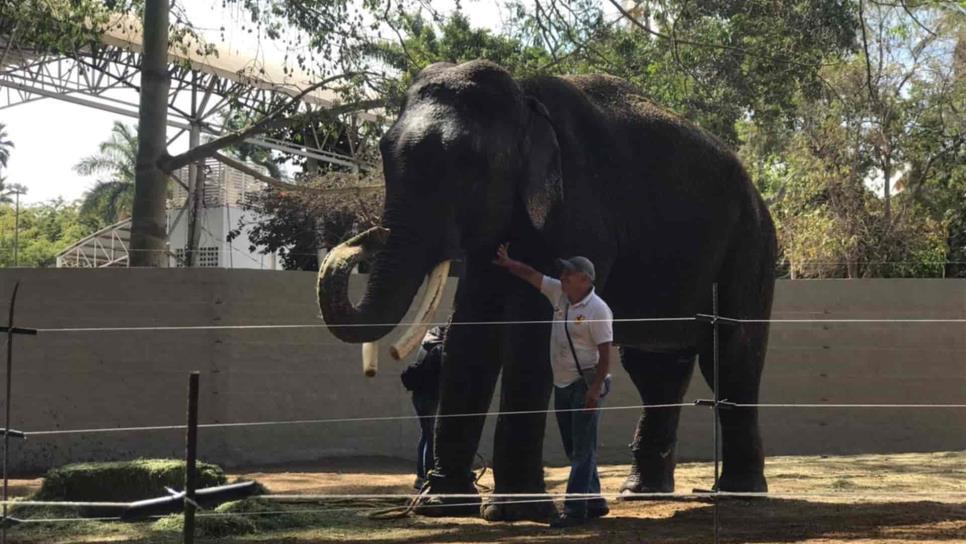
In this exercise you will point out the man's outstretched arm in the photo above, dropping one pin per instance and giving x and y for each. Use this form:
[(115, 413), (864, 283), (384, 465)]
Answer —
[(521, 270)]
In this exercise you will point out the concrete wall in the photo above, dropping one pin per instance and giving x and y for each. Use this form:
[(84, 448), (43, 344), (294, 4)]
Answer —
[(72, 380)]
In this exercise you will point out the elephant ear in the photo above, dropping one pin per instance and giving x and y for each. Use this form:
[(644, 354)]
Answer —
[(542, 187)]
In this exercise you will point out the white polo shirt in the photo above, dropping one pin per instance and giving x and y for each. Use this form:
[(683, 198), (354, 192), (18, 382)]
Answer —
[(590, 325)]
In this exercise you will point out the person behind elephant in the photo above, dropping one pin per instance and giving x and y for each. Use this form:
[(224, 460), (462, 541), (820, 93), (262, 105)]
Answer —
[(580, 343), (422, 378)]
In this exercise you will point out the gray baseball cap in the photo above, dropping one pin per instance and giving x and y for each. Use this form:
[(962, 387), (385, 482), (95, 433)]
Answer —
[(578, 264)]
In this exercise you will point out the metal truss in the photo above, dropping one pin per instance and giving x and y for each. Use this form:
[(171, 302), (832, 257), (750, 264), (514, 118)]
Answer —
[(96, 76), (107, 247)]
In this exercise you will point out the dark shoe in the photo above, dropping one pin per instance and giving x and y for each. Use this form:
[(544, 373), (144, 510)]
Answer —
[(562, 521), (419, 483), (593, 513)]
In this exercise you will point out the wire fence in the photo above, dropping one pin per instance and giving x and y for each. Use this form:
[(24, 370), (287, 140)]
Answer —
[(714, 495)]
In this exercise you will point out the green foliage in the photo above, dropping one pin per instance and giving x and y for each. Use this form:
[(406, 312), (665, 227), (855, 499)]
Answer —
[(714, 62), (894, 122), (249, 516), (57, 26), (452, 40), (45, 230), (826, 101), (122, 480)]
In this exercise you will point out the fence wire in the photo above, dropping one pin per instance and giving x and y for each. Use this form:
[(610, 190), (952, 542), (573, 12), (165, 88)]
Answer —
[(713, 495)]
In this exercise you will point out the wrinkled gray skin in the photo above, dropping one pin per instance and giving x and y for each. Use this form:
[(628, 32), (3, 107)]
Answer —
[(563, 166)]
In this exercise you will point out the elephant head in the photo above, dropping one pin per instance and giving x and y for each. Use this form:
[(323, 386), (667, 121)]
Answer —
[(468, 151)]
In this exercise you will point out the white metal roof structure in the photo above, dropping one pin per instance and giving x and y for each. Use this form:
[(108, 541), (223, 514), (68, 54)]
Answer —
[(209, 83), (225, 189), (105, 248)]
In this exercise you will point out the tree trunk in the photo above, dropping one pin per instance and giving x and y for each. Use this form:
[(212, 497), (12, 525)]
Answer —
[(887, 193), (148, 223)]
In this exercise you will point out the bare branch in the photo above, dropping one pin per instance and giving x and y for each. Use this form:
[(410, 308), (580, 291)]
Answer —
[(912, 16), (267, 123), (868, 63), (284, 185)]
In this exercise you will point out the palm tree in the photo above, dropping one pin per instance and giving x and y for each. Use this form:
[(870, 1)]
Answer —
[(111, 199), (5, 146), (4, 192)]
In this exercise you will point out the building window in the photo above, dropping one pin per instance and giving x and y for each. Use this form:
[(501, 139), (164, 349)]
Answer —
[(207, 257)]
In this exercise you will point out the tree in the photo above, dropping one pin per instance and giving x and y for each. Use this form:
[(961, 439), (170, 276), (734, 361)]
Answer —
[(324, 31), (318, 214), (716, 63), (111, 198), (889, 119), (333, 203), (422, 42), (46, 229)]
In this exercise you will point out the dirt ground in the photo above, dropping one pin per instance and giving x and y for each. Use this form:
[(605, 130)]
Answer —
[(904, 498)]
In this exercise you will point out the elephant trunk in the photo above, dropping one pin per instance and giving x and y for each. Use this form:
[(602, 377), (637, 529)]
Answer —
[(397, 272)]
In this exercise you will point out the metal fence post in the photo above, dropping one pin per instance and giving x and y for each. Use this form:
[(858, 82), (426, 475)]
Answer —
[(715, 409), (191, 459)]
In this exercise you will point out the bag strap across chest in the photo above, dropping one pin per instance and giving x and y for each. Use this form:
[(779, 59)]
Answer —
[(570, 341)]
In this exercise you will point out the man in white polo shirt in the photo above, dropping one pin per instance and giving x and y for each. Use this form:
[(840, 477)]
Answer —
[(580, 342)]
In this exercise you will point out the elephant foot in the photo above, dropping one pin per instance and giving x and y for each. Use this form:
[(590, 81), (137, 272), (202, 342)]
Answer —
[(650, 473), (743, 483), (511, 510), (630, 490), (439, 505), (448, 507)]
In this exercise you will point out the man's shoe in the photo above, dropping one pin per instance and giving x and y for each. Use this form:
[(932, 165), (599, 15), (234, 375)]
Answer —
[(419, 483), (562, 521), (593, 513)]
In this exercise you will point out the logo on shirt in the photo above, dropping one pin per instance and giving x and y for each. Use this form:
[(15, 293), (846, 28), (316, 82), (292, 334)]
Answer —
[(579, 319)]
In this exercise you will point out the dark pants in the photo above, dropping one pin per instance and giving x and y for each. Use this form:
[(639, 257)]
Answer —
[(425, 405), (579, 433)]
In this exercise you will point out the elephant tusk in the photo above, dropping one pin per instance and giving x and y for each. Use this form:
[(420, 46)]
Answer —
[(370, 358), (431, 299)]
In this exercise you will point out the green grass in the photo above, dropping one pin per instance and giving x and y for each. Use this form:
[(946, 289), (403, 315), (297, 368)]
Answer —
[(122, 480), (249, 516)]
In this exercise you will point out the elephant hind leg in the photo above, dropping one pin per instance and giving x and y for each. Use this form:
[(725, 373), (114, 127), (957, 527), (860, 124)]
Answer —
[(661, 378), (745, 288), (739, 370)]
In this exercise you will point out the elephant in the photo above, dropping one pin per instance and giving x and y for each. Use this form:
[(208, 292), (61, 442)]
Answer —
[(561, 166)]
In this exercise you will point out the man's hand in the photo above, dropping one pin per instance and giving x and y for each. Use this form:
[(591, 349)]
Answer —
[(518, 269), (503, 255), (592, 398)]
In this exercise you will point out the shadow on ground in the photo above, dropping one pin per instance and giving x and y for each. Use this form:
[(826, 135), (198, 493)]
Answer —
[(741, 521)]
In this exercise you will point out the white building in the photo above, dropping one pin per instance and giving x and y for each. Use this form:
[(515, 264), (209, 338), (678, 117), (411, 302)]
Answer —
[(226, 191)]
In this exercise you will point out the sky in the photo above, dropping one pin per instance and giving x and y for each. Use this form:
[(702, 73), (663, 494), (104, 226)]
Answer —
[(51, 136)]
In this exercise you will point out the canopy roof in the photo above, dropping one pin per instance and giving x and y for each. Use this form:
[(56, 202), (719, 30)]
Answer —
[(206, 80)]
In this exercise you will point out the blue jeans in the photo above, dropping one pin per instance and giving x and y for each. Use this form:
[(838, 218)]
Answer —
[(579, 433), (425, 405)]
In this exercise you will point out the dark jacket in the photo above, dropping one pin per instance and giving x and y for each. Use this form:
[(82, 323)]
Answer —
[(423, 375)]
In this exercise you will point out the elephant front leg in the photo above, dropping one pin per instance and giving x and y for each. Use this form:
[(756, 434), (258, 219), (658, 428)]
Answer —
[(525, 387), (660, 378), (471, 364)]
